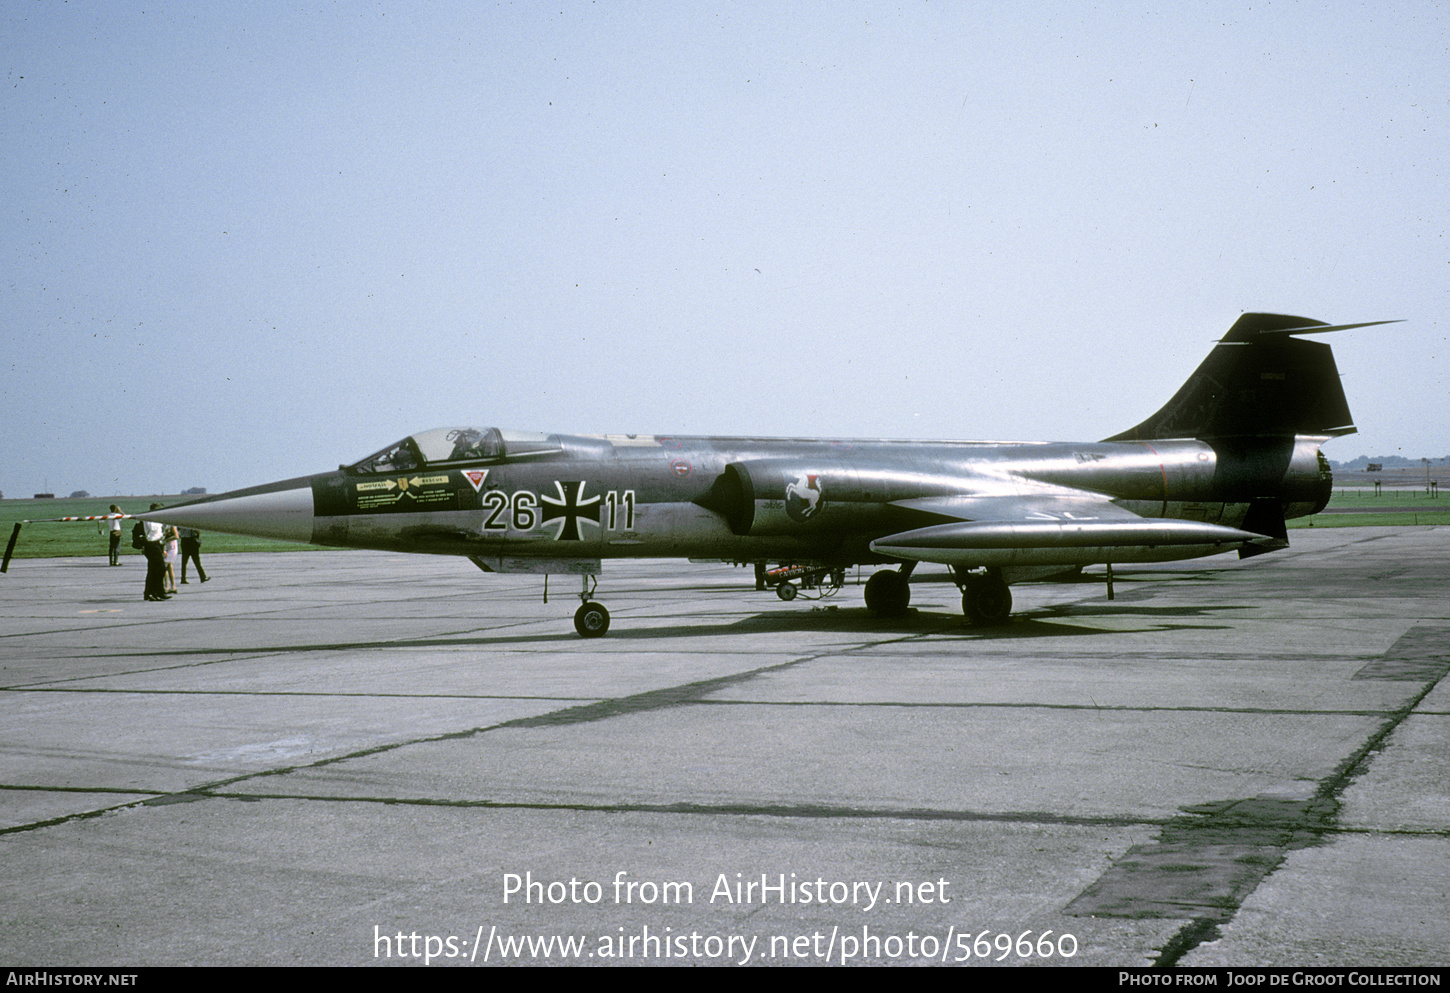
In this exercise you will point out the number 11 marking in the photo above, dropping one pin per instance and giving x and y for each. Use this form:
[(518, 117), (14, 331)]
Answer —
[(613, 501)]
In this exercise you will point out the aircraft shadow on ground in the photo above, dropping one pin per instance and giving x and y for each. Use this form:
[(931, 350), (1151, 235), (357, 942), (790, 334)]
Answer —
[(1036, 623), (1032, 623), (1053, 621), (1049, 622)]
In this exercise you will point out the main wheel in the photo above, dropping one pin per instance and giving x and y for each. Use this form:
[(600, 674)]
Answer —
[(888, 593), (986, 600), (591, 620)]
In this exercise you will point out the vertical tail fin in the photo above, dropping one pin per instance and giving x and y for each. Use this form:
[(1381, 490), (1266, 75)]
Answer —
[(1259, 381)]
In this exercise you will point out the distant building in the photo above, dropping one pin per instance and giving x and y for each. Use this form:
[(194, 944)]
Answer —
[(1375, 467), (45, 496)]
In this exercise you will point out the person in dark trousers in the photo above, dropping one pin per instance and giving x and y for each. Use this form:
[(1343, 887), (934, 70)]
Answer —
[(113, 528), (191, 550), (155, 559)]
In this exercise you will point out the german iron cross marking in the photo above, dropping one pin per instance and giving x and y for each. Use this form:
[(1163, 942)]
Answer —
[(569, 507)]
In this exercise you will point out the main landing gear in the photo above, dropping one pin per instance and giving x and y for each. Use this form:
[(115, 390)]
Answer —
[(986, 600), (591, 620), (888, 592)]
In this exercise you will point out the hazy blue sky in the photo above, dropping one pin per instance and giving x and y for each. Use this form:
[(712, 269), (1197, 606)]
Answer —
[(246, 241)]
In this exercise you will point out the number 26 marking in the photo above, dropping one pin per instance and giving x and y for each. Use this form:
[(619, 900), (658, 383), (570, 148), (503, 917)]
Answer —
[(525, 510)]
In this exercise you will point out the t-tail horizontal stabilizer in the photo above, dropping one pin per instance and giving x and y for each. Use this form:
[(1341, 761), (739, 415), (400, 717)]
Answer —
[(1259, 381)]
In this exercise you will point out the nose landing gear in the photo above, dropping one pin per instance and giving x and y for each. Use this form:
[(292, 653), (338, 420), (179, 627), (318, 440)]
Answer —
[(591, 620)]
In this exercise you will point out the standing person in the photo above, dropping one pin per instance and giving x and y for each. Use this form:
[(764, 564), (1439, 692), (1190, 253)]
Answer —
[(153, 533), (173, 555), (191, 550), (113, 528)]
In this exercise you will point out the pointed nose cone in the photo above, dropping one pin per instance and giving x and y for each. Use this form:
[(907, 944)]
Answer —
[(282, 510)]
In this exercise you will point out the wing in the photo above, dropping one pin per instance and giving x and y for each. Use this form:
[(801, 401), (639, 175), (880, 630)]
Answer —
[(1051, 526)]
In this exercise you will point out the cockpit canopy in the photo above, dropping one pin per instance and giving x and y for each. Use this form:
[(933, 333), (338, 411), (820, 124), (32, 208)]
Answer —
[(452, 446)]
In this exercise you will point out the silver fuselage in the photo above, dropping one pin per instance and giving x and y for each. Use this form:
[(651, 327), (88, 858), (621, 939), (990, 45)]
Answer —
[(566, 497)]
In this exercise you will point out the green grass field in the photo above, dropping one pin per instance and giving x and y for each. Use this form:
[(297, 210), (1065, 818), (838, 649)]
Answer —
[(1389, 508), (43, 541)]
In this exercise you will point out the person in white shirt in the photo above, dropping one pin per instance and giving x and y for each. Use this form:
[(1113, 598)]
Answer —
[(113, 528), (155, 560)]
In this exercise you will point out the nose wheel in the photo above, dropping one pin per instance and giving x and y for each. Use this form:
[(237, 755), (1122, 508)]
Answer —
[(591, 620)]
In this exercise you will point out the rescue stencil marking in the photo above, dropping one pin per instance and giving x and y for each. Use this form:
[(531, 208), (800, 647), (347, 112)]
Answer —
[(369, 497)]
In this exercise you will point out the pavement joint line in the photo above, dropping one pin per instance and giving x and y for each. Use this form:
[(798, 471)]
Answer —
[(82, 789), (80, 815), (784, 810), (1208, 860), (285, 693), (244, 654), (1002, 705), (118, 624), (152, 798), (670, 696), (596, 701), (732, 809)]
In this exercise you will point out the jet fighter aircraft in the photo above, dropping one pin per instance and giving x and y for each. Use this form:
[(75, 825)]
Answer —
[(1232, 455)]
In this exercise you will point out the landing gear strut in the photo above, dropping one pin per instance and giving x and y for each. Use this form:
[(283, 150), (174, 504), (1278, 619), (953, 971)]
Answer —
[(986, 600), (591, 620)]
